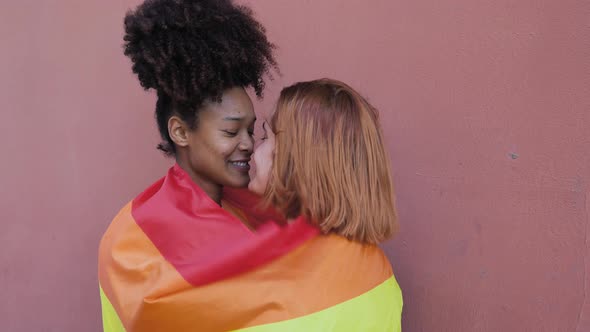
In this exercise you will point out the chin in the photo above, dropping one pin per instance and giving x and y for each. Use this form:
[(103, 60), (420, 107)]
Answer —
[(239, 183), (251, 187), (255, 188)]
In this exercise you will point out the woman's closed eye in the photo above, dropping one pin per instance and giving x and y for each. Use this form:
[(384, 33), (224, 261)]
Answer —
[(230, 132), (233, 133)]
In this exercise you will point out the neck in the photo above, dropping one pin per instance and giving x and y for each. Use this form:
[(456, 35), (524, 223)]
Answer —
[(212, 189)]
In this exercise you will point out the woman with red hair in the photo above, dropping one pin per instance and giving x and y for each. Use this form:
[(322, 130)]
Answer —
[(322, 160)]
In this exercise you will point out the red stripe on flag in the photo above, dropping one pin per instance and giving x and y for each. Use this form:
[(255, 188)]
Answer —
[(201, 240)]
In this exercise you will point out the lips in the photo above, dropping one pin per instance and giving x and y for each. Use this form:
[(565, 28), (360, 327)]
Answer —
[(241, 165)]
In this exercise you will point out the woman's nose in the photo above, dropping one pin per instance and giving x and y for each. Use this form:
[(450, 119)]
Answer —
[(247, 143)]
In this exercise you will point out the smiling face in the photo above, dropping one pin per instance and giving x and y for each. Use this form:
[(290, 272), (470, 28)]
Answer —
[(263, 157), (217, 152)]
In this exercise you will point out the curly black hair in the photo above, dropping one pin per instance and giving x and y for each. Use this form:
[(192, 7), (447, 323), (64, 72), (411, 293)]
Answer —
[(190, 51)]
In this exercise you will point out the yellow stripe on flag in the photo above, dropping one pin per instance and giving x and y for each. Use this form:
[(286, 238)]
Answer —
[(110, 319), (378, 310)]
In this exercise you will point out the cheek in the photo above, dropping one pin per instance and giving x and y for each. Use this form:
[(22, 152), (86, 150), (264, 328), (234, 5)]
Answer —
[(263, 160), (221, 147), (267, 157)]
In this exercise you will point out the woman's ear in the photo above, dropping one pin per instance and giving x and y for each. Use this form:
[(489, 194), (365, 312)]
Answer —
[(178, 131)]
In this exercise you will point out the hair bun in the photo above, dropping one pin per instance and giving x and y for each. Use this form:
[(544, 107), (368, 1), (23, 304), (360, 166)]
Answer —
[(194, 49)]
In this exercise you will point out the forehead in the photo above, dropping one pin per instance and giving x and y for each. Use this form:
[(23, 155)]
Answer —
[(235, 103)]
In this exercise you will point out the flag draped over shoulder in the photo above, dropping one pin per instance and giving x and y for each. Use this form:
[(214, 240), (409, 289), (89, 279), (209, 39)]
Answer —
[(173, 260)]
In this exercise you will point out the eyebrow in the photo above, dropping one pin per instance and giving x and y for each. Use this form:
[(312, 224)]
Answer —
[(236, 118)]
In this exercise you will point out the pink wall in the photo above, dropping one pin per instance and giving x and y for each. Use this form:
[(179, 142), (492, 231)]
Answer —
[(485, 105)]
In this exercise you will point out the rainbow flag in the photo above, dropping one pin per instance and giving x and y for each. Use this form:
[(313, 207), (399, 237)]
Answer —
[(172, 260)]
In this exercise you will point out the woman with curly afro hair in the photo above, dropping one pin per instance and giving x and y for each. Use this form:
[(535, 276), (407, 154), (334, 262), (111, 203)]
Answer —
[(199, 56), (180, 256)]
